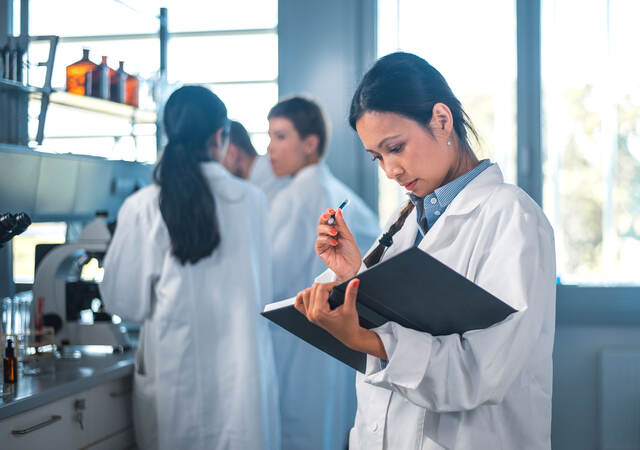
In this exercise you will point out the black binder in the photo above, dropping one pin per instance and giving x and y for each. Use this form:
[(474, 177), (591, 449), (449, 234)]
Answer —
[(411, 288)]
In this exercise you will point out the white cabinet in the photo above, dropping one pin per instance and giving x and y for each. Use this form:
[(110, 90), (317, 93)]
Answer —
[(98, 418)]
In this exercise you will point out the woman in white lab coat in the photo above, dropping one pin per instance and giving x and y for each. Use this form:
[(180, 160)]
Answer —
[(190, 259), (317, 394), (485, 389)]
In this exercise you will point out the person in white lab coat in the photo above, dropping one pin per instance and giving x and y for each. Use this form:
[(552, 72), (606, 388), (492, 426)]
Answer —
[(243, 161), (190, 259), (485, 389), (317, 394)]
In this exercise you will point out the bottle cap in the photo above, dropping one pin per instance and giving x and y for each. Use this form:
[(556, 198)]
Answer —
[(9, 350)]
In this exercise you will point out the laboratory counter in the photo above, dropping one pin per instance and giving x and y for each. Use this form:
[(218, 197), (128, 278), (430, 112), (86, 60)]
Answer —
[(71, 376), (86, 403)]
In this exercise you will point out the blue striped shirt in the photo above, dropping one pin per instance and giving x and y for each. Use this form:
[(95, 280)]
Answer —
[(430, 208)]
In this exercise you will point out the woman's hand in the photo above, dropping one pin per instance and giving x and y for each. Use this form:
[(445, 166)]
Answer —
[(341, 322), (337, 247)]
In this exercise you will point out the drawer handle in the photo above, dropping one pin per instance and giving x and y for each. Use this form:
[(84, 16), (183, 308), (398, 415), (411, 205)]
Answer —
[(120, 394), (36, 427)]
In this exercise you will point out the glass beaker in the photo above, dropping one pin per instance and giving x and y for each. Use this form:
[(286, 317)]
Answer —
[(39, 352)]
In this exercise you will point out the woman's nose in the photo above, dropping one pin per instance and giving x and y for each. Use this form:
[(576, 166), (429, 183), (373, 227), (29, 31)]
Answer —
[(392, 171)]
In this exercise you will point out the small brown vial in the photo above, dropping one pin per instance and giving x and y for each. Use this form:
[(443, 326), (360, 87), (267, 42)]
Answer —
[(10, 364)]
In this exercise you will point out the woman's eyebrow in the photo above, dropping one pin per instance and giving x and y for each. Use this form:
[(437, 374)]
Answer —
[(382, 142)]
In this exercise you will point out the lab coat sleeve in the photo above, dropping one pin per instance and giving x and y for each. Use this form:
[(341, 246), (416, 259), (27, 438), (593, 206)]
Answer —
[(292, 236), (456, 373), (265, 267), (132, 264)]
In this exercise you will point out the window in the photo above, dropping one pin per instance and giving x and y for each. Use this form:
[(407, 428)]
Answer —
[(24, 247), (456, 44), (591, 135), (213, 43)]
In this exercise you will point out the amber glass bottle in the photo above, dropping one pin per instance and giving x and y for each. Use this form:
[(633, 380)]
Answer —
[(10, 364), (76, 73), (97, 82), (133, 84), (118, 81)]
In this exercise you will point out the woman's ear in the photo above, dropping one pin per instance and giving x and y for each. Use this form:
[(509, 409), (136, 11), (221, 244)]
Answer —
[(442, 120), (310, 145), (215, 146)]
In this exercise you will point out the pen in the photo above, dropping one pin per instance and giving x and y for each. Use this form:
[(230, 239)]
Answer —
[(332, 219)]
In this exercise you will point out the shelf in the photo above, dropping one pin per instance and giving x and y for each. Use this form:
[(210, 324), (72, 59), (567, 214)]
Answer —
[(14, 85), (99, 105)]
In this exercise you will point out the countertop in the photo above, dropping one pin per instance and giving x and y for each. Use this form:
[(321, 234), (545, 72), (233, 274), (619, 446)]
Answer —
[(70, 377)]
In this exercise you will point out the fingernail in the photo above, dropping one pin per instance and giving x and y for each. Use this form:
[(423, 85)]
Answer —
[(325, 217), (331, 211), (339, 212), (333, 232), (334, 242), (356, 282)]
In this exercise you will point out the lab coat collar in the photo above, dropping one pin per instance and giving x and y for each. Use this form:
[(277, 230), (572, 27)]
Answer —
[(224, 184), (310, 172), (469, 198)]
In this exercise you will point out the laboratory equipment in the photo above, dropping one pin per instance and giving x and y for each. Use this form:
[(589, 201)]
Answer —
[(66, 294)]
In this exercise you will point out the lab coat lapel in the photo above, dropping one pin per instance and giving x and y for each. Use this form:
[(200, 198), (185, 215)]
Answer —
[(464, 203)]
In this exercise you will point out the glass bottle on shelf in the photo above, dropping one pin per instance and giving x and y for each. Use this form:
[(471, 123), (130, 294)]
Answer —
[(76, 73), (132, 87), (97, 82), (118, 81)]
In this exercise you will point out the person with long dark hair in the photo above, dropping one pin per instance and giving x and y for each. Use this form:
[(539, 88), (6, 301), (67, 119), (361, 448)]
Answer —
[(484, 389), (190, 259)]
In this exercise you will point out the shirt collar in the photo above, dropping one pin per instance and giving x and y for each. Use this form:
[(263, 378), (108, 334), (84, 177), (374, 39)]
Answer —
[(444, 195)]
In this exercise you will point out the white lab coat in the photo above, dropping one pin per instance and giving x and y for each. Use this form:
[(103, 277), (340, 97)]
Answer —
[(317, 394), (205, 376), (261, 174), (486, 389)]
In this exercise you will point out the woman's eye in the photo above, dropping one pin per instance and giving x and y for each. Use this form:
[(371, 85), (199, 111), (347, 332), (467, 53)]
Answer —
[(374, 157), (395, 149)]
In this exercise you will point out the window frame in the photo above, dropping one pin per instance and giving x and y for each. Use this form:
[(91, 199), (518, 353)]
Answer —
[(530, 174)]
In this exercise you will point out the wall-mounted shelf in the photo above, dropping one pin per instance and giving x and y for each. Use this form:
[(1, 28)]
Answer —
[(99, 105), (14, 85)]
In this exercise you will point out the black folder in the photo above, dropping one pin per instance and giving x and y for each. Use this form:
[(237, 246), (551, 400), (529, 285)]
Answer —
[(412, 289)]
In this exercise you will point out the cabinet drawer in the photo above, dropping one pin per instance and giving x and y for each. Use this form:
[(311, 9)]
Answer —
[(108, 411), (48, 426)]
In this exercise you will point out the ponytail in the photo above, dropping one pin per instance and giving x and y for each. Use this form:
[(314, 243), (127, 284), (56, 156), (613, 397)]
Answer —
[(187, 205), (386, 240), (192, 116)]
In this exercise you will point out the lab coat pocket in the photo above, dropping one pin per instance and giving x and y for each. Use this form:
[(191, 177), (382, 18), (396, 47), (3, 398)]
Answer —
[(144, 410)]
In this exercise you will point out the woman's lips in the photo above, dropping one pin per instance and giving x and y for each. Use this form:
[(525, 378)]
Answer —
[(411, 185)]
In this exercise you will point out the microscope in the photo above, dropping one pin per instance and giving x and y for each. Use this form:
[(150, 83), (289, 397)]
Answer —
[(66, 294)]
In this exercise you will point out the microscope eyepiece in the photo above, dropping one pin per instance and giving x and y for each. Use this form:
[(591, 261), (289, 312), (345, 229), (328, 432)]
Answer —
[(12, 225)]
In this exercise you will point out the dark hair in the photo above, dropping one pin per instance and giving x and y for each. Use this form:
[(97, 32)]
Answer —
[(192, 115), (240, 138), (307, 118), (406, 84)]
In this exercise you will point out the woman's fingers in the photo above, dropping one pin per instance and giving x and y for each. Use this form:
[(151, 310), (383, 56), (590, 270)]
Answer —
[(327, 230), (306, 300), (341, 225), (319, 304), (325, 242), (299, 304), (350, 295), (324, 217)]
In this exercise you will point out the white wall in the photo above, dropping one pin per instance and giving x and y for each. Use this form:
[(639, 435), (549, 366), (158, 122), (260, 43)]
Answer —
[(324, 48)]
